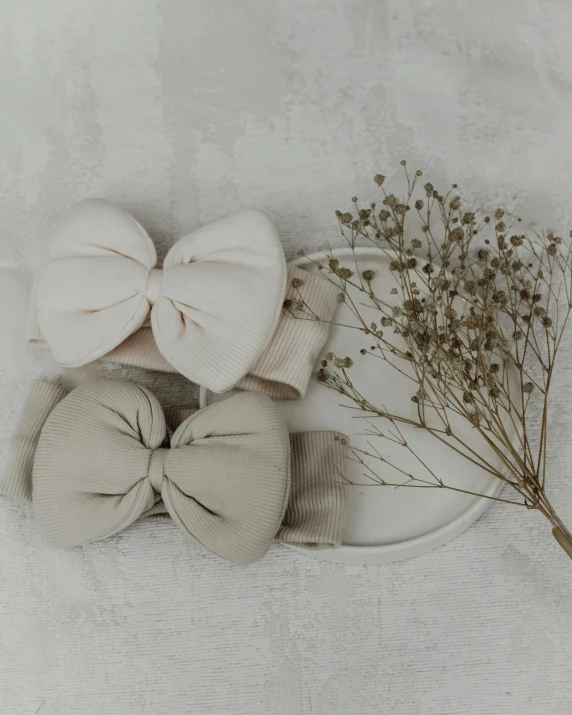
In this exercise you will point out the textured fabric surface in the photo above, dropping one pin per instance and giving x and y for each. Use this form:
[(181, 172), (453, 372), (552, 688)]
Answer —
[(284, 369), (99, 458), (213, 306), (183, 111)]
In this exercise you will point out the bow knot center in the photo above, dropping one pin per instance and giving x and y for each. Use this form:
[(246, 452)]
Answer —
[(156, 468), (153, 285)]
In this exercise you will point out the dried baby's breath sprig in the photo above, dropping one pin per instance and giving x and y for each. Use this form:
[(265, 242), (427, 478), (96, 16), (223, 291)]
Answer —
[(476, 323)]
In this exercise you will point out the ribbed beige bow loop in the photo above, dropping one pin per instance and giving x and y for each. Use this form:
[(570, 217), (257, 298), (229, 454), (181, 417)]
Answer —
[(99, 458)]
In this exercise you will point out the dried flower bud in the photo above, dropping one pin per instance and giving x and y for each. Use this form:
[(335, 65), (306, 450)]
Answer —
[(528, 387), (334, 264), (287, 304), (455, 203), (379, 179), (516, 240), (419, 204), (384, 215), (416, 243), (393, 291), (547, 322), (500, 227), (499, 213), (457, 234), (301, 252), (363, 351), (368, 275), (450, 313), (345, 362), (341, 298), (354, 199), (418, 172), (469, 217), (345, 273), (552, 250), (494, 368), (403, 162), (297, 282), (386, 322)]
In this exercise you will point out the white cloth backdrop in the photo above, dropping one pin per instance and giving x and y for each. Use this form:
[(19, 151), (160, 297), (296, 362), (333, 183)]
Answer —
[(183, 110)]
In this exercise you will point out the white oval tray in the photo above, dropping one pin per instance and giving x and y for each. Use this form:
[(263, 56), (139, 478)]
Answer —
[(383, 523)]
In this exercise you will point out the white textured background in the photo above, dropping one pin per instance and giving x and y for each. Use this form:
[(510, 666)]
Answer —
[(184, 110)]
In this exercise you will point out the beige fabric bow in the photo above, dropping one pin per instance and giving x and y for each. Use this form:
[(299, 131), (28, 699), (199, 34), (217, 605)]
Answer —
[(212, 312), (212, 308), (97, 459)]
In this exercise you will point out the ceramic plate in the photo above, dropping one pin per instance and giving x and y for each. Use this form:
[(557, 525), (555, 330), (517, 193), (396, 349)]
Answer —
[(386, 523)]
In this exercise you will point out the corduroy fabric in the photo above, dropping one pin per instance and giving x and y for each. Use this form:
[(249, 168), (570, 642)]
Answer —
[(98, 459), (212, 308)]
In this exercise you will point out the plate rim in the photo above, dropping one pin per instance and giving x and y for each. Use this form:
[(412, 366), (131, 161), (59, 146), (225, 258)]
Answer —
[(406, 548)]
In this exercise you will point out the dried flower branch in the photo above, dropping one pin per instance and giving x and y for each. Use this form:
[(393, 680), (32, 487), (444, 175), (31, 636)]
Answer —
[(477, 322)]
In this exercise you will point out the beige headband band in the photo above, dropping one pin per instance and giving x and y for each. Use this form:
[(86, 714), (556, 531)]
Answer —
[(213, 312), (97, 459)]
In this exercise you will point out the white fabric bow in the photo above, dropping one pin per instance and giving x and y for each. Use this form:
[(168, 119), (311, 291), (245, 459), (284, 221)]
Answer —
[(213, 306)]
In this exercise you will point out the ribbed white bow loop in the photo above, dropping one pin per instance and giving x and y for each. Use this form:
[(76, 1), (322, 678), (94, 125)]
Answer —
[(213, 307), (153, 285)]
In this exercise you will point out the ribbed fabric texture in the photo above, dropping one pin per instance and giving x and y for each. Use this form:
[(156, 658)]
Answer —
[(98, 459), (41, 400), (212, 307), (316, 509), (213, 312), (283, 371)]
